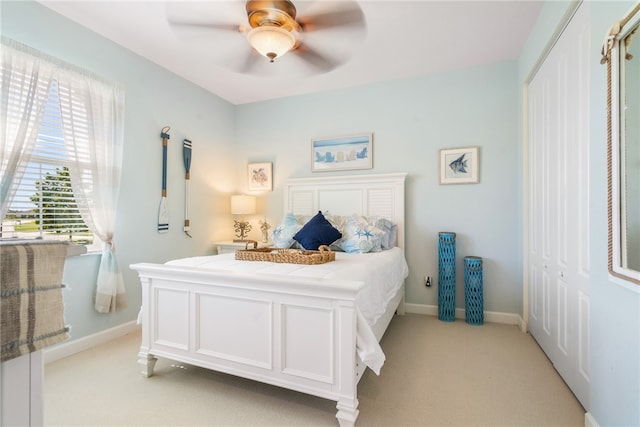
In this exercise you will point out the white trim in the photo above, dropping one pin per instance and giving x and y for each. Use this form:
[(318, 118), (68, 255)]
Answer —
[(618, 237), (69, 348), (562, 25), (489, 316), (626, 284), (525, 203), (589, 421)]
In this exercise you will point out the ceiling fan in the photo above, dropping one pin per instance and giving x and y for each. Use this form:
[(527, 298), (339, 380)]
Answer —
[(275, 29)]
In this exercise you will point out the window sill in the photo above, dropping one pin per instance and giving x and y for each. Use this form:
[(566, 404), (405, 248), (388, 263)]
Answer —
[(92, 253), (625, 284), (75, 250)]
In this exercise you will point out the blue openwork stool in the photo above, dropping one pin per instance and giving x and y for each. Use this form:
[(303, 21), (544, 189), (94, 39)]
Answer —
[(447, 276), (473, 299)]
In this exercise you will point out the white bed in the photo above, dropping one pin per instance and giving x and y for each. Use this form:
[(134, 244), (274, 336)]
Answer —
[(305, 328)]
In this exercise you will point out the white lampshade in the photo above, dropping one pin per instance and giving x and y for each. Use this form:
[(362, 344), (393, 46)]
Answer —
[(243, 205), (271, 41)]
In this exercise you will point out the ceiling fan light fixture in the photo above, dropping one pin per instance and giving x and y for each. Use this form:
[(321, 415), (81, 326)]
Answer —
[(270, 41)]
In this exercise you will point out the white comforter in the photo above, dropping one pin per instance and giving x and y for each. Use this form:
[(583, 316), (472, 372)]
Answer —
[(382, 272)]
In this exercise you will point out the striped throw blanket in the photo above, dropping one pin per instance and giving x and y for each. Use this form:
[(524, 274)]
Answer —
[(32, 310)]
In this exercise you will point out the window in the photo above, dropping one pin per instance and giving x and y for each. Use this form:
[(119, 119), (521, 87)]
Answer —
[(65, 126), (44, 205), (623, 147)]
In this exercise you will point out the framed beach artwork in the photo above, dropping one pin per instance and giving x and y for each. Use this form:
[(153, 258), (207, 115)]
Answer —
[(459, 166), (342, 153), (260, 177)]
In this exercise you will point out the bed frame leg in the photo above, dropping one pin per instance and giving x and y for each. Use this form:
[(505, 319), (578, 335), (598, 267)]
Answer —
[(148, 362), (347, 413)]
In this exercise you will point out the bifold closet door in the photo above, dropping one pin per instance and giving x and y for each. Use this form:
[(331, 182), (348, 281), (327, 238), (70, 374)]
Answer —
[(558, 200)]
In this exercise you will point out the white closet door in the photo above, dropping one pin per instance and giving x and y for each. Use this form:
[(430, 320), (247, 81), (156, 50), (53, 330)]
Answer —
[(559, 205)]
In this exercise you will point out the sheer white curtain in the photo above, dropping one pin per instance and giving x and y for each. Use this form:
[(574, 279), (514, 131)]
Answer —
[(24, 89), (93, 123)]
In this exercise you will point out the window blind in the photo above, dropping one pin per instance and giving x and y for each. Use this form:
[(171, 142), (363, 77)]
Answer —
[(44, 204)]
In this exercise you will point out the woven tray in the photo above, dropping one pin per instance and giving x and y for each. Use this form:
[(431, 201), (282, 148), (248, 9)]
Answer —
[(289, 256)]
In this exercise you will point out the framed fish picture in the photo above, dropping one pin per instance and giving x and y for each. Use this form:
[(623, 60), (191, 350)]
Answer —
[(459, 165), (342, 153)]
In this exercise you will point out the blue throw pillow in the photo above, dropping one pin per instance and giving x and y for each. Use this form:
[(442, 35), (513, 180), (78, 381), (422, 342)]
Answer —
[(318, 231)]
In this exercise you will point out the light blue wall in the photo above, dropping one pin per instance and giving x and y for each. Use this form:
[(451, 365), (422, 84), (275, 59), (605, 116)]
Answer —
[(615, 307), (411, 120), (154, 98), (615, 310)]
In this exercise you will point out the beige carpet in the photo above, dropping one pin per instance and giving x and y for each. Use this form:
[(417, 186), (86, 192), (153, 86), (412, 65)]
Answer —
[(436, 374)]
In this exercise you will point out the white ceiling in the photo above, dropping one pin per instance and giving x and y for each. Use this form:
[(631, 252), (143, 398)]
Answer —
[(401, 39)]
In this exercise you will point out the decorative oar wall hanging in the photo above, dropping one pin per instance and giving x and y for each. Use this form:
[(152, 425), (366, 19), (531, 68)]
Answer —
[(186, 155), (163, 212)]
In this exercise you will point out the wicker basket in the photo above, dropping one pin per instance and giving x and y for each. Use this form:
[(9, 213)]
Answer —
[(290, 256)]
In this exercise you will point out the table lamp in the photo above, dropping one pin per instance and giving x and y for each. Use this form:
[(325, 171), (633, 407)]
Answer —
[(242, 205)]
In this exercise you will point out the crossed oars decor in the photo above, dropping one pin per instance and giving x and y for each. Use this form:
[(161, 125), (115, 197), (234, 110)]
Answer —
[(163, 212), (186, 155)]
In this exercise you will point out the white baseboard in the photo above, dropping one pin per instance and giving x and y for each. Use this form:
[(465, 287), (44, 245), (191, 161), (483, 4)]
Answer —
[(65, 349), (589, 421), (489, 316), (68, 348)]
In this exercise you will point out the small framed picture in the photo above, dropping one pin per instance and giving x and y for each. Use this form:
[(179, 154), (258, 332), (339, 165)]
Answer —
[(459, 166), (260, 177), (342, 153)]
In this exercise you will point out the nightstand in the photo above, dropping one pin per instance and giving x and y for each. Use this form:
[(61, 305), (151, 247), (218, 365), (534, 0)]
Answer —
[(229, 246)]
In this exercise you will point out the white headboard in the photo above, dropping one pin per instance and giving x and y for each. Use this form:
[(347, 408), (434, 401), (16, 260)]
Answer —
[(370, 195)]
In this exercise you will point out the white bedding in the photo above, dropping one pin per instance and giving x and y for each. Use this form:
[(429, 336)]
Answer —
[(382, 274)]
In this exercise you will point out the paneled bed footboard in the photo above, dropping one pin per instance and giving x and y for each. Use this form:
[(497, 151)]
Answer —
[(297, 333)]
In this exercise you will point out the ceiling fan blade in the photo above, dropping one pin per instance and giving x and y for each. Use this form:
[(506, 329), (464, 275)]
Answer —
[(320, 62), (207, 25), (204, 15), (343, 15)]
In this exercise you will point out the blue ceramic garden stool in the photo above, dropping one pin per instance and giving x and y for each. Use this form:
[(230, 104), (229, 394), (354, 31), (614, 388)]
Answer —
[(473, 298), (447, 276)]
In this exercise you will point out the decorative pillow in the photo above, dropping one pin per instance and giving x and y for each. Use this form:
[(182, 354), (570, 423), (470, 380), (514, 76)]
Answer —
[(390, 232), (303, 218), (361, 237), (282, 235), (318, 231), (338, 222)]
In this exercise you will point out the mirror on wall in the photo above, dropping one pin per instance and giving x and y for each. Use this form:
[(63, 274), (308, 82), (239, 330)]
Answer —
[(624, 148)]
